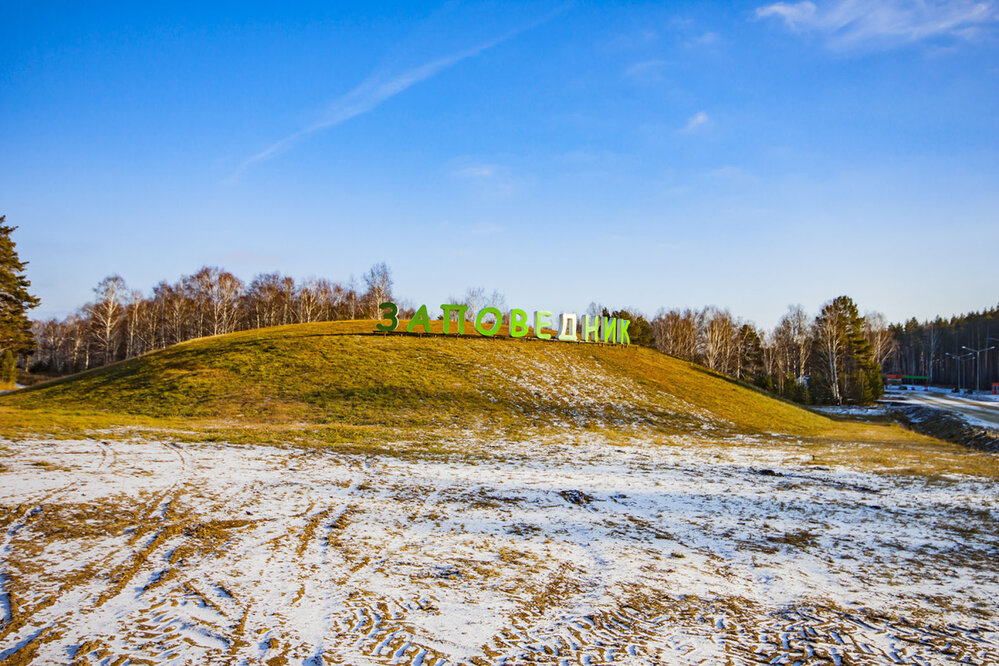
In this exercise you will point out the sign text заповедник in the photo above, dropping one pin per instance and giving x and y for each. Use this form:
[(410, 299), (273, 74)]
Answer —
[(570, 328)]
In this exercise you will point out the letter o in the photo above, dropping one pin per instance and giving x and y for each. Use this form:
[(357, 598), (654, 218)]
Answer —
[(496, 327)]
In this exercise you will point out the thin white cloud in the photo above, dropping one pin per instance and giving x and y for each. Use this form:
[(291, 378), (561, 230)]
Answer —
[(376, 89), (727, 171), (485, 229), (491, 179), (646, 70), (697, 120), (633, 40), (848, 24), (707, 39), (476, 171)]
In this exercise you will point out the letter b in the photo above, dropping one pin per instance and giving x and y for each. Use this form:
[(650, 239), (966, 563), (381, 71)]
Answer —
[(518, 323)]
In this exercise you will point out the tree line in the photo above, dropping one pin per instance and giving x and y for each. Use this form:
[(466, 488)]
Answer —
[(834, 357), (121, 323), (940, 349)]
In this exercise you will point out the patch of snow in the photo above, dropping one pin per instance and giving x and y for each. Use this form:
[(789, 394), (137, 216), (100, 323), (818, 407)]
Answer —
[(693, 552)]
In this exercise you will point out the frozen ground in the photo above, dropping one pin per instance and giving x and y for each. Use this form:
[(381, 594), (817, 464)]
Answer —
[(577, 552), (851, 410), (979, 410)]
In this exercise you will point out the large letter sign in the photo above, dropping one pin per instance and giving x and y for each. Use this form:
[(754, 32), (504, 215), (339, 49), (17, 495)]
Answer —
[(567, 327), (421, 318), (570, 328), (447, 309), (540, 323), (498, 321), (590, 331), (518, 323), (389, 311)]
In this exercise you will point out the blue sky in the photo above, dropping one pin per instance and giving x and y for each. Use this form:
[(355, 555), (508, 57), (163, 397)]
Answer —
[(746, 155)]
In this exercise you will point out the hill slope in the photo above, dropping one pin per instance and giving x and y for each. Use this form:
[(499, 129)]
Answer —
[(331, 373), (475, 501)]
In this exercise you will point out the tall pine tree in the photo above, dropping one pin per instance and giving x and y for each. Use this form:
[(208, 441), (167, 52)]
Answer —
[(843, 367), (15, 301)]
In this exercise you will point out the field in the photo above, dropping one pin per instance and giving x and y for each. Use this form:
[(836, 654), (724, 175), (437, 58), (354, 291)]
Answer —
[(397, 500)]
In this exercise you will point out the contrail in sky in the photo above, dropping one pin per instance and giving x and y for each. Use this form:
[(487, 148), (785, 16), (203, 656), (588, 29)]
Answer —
[(376, 89)]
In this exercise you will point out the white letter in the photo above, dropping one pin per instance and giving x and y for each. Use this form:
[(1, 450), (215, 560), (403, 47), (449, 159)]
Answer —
[(591, 330), (567, 326)]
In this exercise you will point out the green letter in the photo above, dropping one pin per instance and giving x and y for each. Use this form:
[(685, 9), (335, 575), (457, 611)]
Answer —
[(421, 318), (538, 316), (488, 332), (448, 309), (390, 315), (622, 332), (609, 330), (518, 323)]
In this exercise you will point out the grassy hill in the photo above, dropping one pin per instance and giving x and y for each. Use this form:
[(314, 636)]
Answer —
[(332, 373), (339, 383)]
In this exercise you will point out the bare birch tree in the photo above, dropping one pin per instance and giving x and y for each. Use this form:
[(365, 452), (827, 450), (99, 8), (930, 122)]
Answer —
[(378, 281), (878, 336), (830, 340), (106, 312)]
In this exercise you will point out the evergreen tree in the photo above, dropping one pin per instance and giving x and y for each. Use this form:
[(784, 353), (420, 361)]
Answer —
[(766, 382), (8, 368), (843, 368), (750, 349), (15, 301), (639, 330)]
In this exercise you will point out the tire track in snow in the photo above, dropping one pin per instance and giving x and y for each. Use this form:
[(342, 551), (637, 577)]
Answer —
[(12, 624), (371, 627), (119, 578), (224, 608)]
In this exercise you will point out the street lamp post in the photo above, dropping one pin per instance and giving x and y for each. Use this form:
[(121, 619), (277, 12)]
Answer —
[(978, 364), (960, 367), (991, 339)]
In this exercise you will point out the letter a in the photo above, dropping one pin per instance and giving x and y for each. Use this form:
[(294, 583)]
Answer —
[(421, 318)]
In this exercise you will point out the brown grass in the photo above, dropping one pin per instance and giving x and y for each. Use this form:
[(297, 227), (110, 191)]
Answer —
[(339, 385)]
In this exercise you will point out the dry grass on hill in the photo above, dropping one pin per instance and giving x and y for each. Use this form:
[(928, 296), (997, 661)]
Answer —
[(339, 384)]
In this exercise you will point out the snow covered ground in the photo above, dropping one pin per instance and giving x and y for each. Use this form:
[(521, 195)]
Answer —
[(978, 396), (978, 410), (851, 410), (579, 551)]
